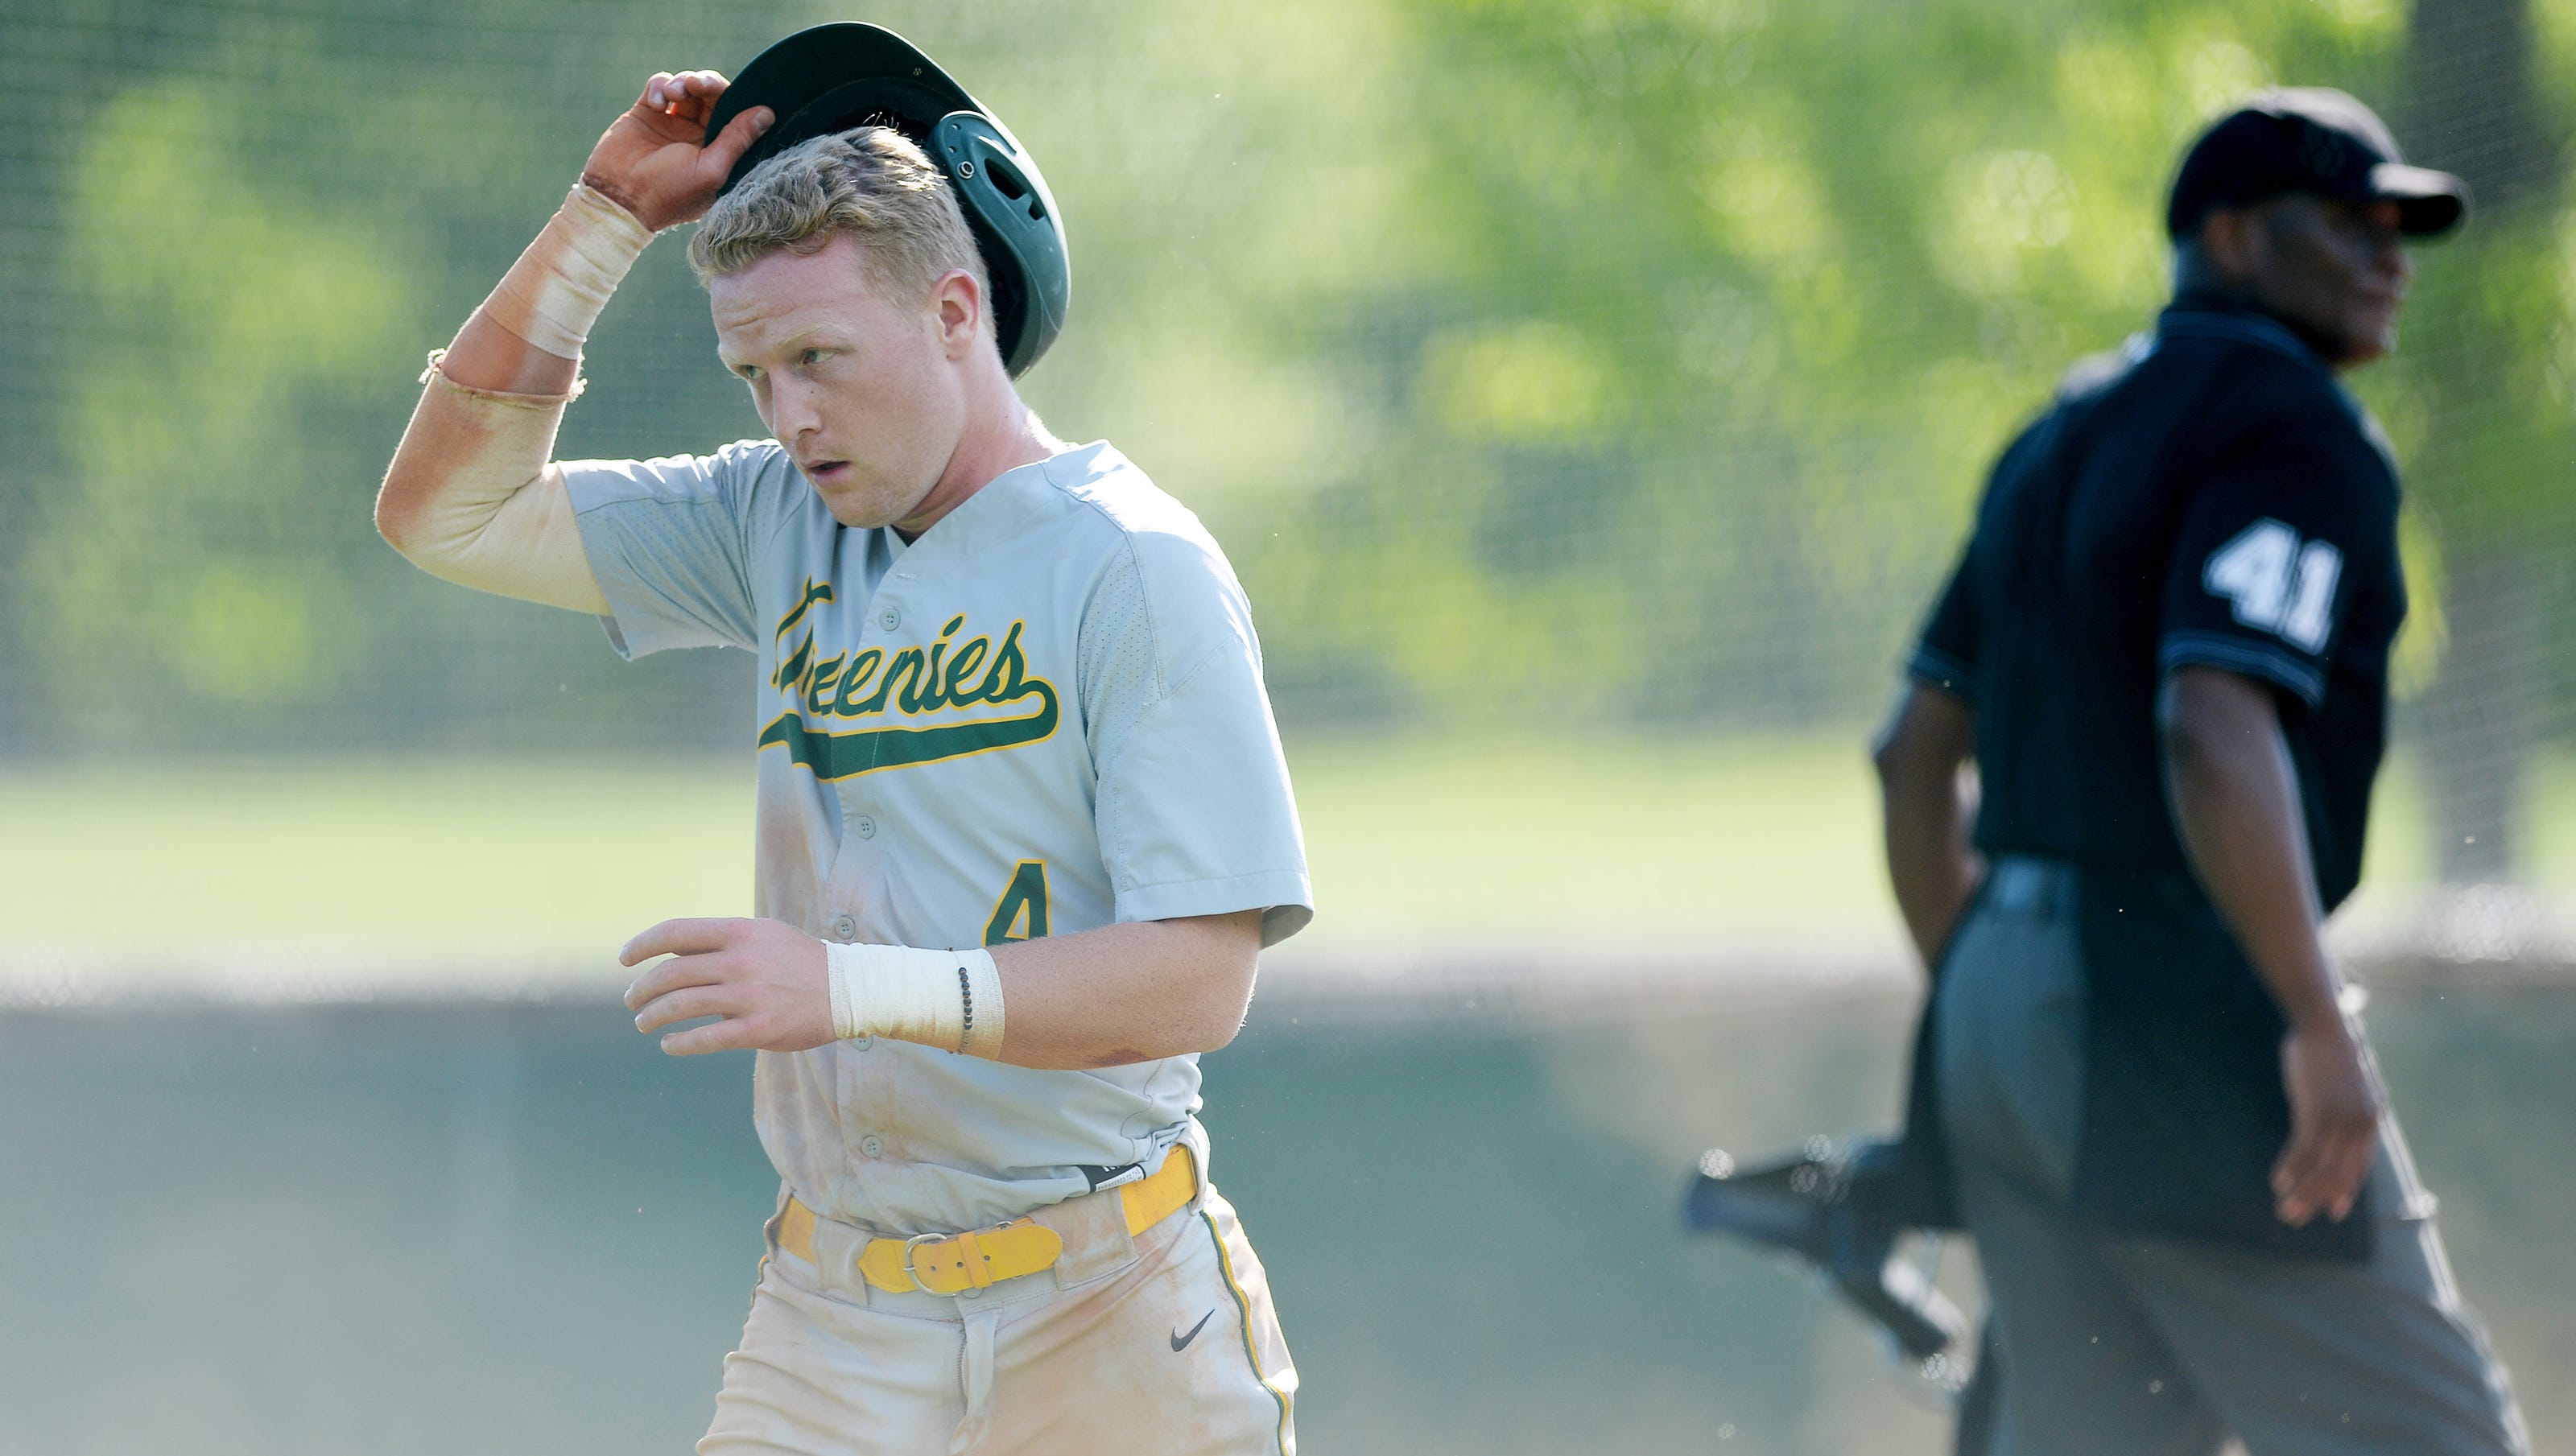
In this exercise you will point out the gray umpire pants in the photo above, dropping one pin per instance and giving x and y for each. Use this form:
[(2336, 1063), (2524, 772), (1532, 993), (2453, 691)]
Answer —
[(2114, 1343)]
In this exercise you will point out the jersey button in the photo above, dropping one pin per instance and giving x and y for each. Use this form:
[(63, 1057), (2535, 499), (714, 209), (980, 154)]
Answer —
[(866, 828), (845, 928), (872, 1146), (889, 619)]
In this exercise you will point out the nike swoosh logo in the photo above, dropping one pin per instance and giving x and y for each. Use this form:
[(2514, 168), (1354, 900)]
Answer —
[(1181, 1342)]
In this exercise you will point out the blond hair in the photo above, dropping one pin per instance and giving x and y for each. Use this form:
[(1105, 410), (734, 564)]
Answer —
[(871, 184)]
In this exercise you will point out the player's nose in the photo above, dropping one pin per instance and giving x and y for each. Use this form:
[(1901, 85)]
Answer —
[(792, 413)]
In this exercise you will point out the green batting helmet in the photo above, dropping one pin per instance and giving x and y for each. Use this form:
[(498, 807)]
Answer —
[(833, 78)]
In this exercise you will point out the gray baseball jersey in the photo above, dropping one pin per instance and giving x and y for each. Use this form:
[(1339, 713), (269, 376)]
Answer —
[(1044, 716)]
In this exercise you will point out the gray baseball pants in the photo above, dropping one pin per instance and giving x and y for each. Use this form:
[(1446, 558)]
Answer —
[(2114, 1343)]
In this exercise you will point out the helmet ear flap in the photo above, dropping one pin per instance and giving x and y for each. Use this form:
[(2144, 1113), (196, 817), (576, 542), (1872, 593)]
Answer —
[(1007, 182), (1013, 217)]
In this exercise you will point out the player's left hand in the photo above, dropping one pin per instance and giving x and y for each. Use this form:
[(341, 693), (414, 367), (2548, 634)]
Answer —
[(767, 979), (2335, 1103)]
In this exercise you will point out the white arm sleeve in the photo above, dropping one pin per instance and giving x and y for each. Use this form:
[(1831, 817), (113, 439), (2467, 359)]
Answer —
[(470, 496)]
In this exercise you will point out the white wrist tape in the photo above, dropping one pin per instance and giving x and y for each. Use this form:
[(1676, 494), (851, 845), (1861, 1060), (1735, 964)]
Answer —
[(949, 999), (555, 292)]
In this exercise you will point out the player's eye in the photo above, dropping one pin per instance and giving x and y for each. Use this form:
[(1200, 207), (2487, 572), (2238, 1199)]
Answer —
[(811, 357), (750, 373)]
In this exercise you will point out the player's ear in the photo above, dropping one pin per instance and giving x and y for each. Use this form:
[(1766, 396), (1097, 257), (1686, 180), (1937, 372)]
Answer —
[(958, 303), (2227, 242)]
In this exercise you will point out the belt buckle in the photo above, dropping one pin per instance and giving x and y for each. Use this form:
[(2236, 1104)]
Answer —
[(913, 1274)]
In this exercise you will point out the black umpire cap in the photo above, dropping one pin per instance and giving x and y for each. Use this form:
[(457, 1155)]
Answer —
[(2309, 139)]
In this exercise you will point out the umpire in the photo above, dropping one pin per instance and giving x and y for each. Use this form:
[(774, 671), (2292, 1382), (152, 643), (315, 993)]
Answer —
[(2139, 1081)]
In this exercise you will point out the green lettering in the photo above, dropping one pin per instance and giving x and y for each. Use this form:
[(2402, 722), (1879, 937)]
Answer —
[(819, 687), (853, 678), (929, 700), (1021, 913), (815, 591), (970, 656), (793, 666), (1008, 679), (908, 664), (917, 681)]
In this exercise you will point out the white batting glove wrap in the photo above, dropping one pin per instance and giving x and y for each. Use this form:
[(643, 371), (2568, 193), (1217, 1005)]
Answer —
[(555, 292), (949, 999)]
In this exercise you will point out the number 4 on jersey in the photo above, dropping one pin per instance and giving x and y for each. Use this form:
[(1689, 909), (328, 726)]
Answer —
[(1021, 913), (2277, 584)]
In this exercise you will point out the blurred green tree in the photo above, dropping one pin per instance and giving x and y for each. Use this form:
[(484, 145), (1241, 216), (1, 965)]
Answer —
[(1733, 302), (222, 325), (1564, 367)]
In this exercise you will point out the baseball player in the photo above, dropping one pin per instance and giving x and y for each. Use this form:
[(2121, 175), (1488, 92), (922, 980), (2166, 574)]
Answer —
[(1023, 820), (2165, 649)]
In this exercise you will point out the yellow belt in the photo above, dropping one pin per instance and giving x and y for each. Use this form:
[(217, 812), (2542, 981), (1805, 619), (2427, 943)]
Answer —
[(948, 1264)]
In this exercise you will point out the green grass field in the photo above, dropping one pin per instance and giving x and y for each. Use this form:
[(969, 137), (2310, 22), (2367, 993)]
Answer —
[(1413, 844)]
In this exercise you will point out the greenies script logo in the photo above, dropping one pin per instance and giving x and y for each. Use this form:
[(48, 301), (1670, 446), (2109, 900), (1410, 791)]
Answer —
[(873, 685)]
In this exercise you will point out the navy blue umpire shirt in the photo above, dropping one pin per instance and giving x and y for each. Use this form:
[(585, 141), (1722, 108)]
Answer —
[(2207, 496)]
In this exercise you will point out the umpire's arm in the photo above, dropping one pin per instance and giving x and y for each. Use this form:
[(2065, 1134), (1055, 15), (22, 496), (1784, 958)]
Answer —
[(1927, 805), (471, 496), (2236, 801)]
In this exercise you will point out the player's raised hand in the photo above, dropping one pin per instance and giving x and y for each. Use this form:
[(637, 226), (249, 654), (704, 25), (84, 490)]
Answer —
[(650, 160), (767, 979), (2334, 1122)]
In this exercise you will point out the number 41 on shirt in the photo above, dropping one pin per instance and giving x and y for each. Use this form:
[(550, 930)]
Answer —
[(2278, 583)]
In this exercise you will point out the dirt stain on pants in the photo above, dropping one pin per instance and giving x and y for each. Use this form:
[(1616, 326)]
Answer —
[(1173, 1351)]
